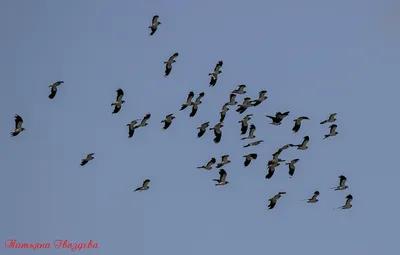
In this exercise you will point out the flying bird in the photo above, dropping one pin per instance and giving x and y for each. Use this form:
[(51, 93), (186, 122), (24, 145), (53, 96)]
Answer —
[(232, 99), (251, 132), (248, 158), (188, 101), (217, 132), (303, 145), (195, 104), (292, 167), (143, 123), (271, 168), (132, 127), (18, 125), (274, 199), (215, 73), (280, 150), (313, 199), (88, 158), (348, 204), (223, 113), (118, 102), (145, 186), (342, 183), (53, 90), (245, 124), (243, 107), (277, 119), (167, 121), (330, 119), (154, 24), (222, 178), (332, 132), (297, 123), (224, 161), (240, 90), (168, 64), (209, 164), (253, 143), (261, 98), (202, 129)]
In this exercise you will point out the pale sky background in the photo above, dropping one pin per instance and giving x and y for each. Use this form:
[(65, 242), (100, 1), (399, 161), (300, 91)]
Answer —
[(314, 57)]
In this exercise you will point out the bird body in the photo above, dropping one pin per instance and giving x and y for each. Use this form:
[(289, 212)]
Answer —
[(240, 90), (208, 166), (348, 204), (274, 199), (261, 98), (277, 119), (249, 158), (195, 104), (292, 167), (245, 124), (132, 127), (224, 161), (303, 145), (143, 123), (232, 99), (202, 129), (217, 132), (297, 123), (253, 143), (332, 131), (243, 107), (188, 101), (313, 199), (342, 183)]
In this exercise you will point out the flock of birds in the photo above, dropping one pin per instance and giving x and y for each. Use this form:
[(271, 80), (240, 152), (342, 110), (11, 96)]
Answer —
[(217, 129)]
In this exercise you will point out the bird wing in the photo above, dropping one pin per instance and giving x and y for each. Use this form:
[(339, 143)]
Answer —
[(201, 95), (242, 87), (333, 129), (18, 121), (222, 175), (348, 201), (173, 57), (261, 94), (296, 126), (145, 119), (342, 181), (218, 66), (253, 155), (232, 97), (146, 183), (252, 129), (120, 94), (194, 110), (189, 97), (155, 19)]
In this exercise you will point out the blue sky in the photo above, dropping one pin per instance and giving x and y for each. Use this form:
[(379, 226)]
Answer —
[(313, 58)]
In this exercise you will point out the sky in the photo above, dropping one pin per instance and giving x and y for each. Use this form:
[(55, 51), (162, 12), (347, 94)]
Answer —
[(313, 57)]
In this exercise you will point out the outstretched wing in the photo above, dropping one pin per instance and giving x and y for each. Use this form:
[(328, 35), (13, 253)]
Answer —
[(222, 175), (155, 19), (173, 57), (18, 121), (120, 94)]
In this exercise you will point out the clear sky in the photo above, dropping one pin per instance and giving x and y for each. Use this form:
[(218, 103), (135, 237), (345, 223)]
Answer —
[(313, 57)]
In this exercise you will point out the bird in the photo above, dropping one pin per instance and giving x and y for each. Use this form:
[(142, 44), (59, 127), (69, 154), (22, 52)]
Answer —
[(232, 99), (168, 64), (277, 119), (222, 178), (188, 101), (251, 132), (224, 161), (248, 158), (297, 123), (88, 158), (253, 143), (243, 107), (195, 104), (274, 199), (202, 129), (18, 125), (292, 167), (53, 90), (303, 145), (280, 150), (223, 113), (132, 127), (271, 168), (342, 183), (167, 121), (313, 199), (348, 204), (118, 102), (154, 24), (245, 125), (330, 119), (332, 132), (217, 132), (215, 73), (209, 164), (145, 186), (261, 98), (143, 123), (240, 90)]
